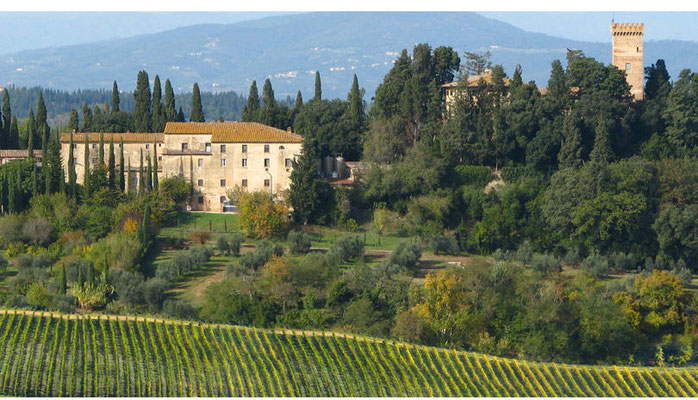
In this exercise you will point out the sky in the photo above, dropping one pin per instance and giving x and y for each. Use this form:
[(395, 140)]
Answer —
[(31, 30)]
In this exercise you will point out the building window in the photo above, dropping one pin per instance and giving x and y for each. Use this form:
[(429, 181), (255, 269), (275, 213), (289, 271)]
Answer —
[(200, 162), (200, 182), (208, 147), (222, 162), (185, 146), (223, 182), (244, 183), (94, 145), (222, 148), (201, 200), (147, 145), (637, 49), (281, 147), (627, 66), (266, 148), (222, 199), (75, 145), (244, 148), (266, 162), (244, 162), (287, 162), (267, 183)]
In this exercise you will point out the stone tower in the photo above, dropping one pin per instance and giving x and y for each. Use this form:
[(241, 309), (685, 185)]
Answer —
[(627, 54)]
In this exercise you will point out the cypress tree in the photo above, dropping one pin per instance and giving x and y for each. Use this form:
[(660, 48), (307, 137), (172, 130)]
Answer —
[(112, 165), (156, 180), (115, 98), (570, 154), (105, 271), (170, 109), (158, 112), (145, 226), (318, 86), (268, 114), (142, 117), (251, 107), (35, 181), (141, 177), (90, 274), (61, 181), (86, 169), (6, 121), (191, 180), (14, 133), (601, 152), (52, 167), (11, 196), (180, 116), (42, 127), (106, 108), (72, 177), (149, 176), (74, 124), (3, 192), (557, 85), (356, 105), (129, 177), (197, 113), (298, 104), (31, 127), (122, 183), (86, 118), (64, 283), (101, 148)]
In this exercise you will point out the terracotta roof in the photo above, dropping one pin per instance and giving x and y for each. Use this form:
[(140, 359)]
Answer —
[(128, 137), (474, 81), (18, 153), (233, 132)]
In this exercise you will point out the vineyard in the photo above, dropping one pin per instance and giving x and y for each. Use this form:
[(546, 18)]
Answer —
[(53, 355)]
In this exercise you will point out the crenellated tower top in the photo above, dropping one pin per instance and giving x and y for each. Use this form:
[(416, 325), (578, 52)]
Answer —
[(628, 29)]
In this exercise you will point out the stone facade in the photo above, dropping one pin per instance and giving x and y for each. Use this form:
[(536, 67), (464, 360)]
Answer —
[(628, 54), (215, 156)]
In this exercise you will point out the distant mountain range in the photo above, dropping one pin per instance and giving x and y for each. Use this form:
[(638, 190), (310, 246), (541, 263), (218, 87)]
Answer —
[(290, 48)]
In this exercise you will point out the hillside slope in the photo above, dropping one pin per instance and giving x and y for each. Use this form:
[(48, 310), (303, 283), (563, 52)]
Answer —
[(55, 355), (289, 48)]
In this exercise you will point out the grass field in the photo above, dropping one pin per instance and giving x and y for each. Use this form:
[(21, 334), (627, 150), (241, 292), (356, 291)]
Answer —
[(57, 355)]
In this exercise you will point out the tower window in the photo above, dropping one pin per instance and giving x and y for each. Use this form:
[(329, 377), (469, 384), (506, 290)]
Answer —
[(200, 182), (222, 182), (266, 148), (222, 148), (627, 66), (244, 148), (222, 162), (637, 49), (207, 146), (266, 162), (244, 183), (200, 162), (267, 183)]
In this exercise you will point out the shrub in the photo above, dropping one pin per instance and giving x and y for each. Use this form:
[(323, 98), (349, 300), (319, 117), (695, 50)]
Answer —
[(474, 175), (524, 253), (63, 303), (180, 309), (573, 256), (11, 229), (38, 296), (351, 225), (201, 237), (128, 285), (299, 242), (183, 262), (622, 261), (262, 217), (122, 251), (545, 263), (596, 264), (407, 255), (92, 297), (444, 244), (235, 241), (223, 245), (256, 259), (683, 273), (347, 248), (175, 188), (3, 264), (38, 231), (154, 292), (502, 255)]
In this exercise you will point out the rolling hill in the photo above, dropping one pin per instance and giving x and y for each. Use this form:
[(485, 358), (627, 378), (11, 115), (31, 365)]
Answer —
[(289, 48), (61, 355)]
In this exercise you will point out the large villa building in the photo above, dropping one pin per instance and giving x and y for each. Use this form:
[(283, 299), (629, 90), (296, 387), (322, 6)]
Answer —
[(214, 156)]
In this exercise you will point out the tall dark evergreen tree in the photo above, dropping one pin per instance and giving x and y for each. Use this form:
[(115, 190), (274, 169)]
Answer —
[(129, 177), (14, 134), (310, 195), (72, 176), (141, 176), (31, 133), (62, 289), (122, 182), (149, 175), (197, 112), (557, 85), (52, 167), (100, 155), (86, 169), (571, 149), (158, 111), (142, 111), (86, 118), (74, 124), (356, 105), (115, 98), (250, 110), (170, 109), (298, 103), (601, 152), (6, 121), (156, 180), (318, 86), (112, 165), (35, 181), (269, 110), (180, 116), (42, 127), (657, 81)]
